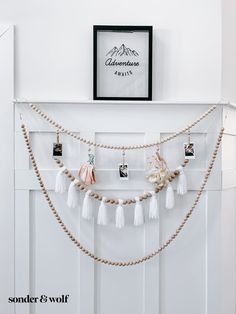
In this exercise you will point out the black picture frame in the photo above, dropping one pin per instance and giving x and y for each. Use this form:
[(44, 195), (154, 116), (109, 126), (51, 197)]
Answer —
[(123, 29)]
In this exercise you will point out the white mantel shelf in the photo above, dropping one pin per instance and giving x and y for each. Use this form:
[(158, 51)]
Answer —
[(112, 102)]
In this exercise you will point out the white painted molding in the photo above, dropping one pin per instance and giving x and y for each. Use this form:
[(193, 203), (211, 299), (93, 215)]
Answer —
[(114, 102), (7, 167)]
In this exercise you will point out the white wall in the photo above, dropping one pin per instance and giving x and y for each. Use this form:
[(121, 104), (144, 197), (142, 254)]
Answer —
[(228, 50), (54, 45)]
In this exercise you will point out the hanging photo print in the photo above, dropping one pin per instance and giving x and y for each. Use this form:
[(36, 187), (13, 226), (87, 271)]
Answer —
[(123, 172), (189, 150), (123, 168), (122, 62), (57, 147)]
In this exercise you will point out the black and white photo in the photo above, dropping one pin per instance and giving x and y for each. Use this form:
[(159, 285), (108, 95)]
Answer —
[(123, 172), (189, 150), (57, 150)]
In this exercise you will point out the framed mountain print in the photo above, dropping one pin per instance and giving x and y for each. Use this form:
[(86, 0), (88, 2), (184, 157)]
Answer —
[(122, 62)]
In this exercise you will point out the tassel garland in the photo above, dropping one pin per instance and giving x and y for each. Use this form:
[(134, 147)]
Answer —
[(120, 217), (72, 199), (138, 213), (102, 219), (102, 213), (182, 182), (60, 185), (153, 207), (87, 209), (170, 198)]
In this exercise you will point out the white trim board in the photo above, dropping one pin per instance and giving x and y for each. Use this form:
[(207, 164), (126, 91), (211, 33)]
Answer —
[(109, 102), (7, 167)]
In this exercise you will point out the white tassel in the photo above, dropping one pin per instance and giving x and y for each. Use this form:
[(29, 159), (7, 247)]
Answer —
[(138, 213), (87, 210), (170, 198), (120, 217), (102, 213), (60, 185), (153, 207), (72, 198), (182, 182)]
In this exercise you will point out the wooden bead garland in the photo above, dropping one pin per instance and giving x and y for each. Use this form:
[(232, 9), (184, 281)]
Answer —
[(96, 196), (106, 261), (88, 142)]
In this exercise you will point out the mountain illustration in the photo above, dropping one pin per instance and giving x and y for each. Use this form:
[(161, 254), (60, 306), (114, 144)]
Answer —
[(122, 51)]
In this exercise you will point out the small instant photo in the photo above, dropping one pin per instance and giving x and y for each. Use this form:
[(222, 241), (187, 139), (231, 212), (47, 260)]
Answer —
[(189, 151), (123, 172), (57, 149)]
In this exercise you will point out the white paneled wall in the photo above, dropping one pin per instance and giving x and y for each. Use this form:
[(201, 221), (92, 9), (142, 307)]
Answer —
[(185, 278)]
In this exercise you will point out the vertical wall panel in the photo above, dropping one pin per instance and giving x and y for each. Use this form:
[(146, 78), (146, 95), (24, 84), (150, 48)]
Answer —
[(214, 253), (23, 254), (86, 278), (7, 166), (228, 253)]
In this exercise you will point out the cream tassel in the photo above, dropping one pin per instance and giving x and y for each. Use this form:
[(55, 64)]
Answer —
[(120, 217), (60, 185), (138, 213), (102, 213), (153, 207), (87, 210), (182, 182), (72, 198), (170, 198)]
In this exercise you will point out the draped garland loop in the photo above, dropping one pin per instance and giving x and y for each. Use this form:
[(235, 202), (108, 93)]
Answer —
[(115, 147), (93, 255)]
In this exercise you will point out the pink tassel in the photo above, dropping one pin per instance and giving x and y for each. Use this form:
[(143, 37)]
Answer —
[(86, 173)]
